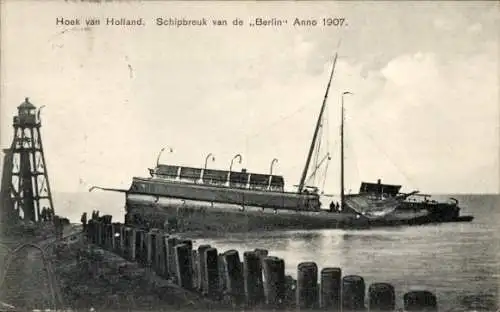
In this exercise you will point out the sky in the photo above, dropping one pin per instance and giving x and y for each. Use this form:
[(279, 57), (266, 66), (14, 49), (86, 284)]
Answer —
[(424, 77)]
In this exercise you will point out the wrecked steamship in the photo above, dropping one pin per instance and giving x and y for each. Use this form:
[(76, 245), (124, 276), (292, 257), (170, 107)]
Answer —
[(222, 200)]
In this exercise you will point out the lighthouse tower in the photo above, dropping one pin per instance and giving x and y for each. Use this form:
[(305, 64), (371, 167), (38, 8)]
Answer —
[(25, 182)]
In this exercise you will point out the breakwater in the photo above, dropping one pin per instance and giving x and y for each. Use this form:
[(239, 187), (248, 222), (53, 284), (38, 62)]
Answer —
[(255, 279)]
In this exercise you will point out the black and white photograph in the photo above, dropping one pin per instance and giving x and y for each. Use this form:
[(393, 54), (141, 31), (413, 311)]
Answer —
[(249, 155)]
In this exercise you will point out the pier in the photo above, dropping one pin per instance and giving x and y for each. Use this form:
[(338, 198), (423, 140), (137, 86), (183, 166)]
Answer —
[(253, 280)]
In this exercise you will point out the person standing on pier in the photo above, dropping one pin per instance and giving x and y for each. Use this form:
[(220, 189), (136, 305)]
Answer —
[(84, 221), (43, 214), (50, 214)]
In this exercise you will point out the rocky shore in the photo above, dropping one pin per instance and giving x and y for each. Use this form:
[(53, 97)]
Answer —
[(90, 277), (84, 277)]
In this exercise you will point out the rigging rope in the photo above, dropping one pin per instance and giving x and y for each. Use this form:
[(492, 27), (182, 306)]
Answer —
[(410, 180), (325, 175), (317, 151), (327, 121), (327, 130), (315, 176), (258, 133)]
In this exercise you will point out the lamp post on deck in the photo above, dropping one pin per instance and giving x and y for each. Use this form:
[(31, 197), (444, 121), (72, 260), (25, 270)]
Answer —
[(205, 167), (161, 151), (274, 161), (231, 166), (342, 149), (206, 160)]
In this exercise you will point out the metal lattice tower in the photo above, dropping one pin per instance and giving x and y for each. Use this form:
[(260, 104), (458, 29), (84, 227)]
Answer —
[(25, 176)]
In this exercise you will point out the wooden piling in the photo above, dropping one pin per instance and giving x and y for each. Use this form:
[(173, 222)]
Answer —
[(252, 277), (201, 267), (118, 236), (158, 251), (151, 245), (262, 253), (211, 286), (183, 266), (307, 285), (92, 232), (161, 255), (274, 281), (104, 235), (109, 237), (330, 293), (195, 268), (171, 243), (140, 250), (93, 228), (189, 243), (353, 293), (87, 229), (113, 242), (131, 244), (122, 240), (104, 242), (165, 260), (149, 239), (222, 273), (290, 291), (381, 297), (234, 276), (420, 301), (99, 234)]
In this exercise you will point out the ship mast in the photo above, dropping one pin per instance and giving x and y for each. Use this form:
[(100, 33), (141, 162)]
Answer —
[(342, 149), (316, 130), (342, 153)]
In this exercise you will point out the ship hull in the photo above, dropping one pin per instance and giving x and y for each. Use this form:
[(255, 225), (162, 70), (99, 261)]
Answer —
[(438, 211), (199, 216), (226, 195)]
